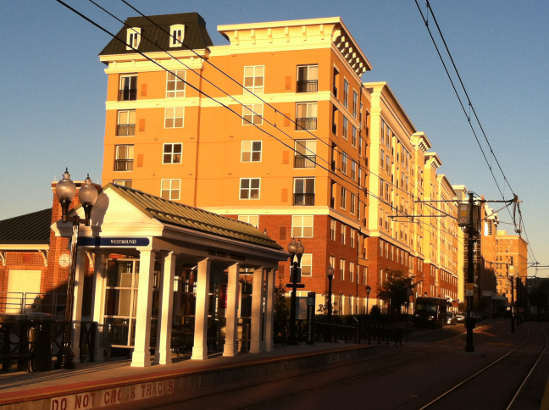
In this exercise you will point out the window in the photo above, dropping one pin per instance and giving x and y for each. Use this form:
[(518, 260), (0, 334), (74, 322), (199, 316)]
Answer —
[(252, 114), (126, 123), (123, 160), (382, 159), (251, 219), (177, 34), (175, 84), (343, 234), (354, 136), (302, 226), (334, 120), (251, 151), (345, 124), (307, 264), (353, 238), (128, 88), (353, 204), (351, 271), (355, 103), (343, 198), (170, 189), (249, 188), (365, 274), (133, 38), (344, 163), (333, 225), (360, 146), (346, 93), (174, 117), (353, 170), (306, 116), (254, 79), (305, 154), (336, 81), (307, 79), (342, 269), (123, 182), (304, 191), (172, 153)]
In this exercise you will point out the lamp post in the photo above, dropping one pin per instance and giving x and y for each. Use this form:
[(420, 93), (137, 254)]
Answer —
[(368, 290), (330, 275), (296, 252), (65, 191)]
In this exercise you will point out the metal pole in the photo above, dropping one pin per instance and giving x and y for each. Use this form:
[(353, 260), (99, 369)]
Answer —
[(292, 340), (66, 355), (470, 275), (330, 299), (512, 305)]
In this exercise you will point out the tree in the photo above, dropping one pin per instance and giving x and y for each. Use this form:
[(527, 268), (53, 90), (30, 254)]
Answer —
[(395, 289), (281, 303)]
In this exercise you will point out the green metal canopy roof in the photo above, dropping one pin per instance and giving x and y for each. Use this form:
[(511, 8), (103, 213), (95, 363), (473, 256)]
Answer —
[(185, 216), (33, 228)]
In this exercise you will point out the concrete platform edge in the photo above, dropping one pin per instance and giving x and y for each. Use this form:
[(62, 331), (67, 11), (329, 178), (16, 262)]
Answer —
[(117, 391)]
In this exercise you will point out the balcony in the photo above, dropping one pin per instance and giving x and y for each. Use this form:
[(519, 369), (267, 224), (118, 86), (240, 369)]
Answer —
[(128, 94), (305, 161), (125, 130), (304, 199), (306, 123), (307, 86), (123, 165)]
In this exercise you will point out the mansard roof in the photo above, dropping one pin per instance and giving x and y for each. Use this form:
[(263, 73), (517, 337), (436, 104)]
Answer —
[(157, 38)]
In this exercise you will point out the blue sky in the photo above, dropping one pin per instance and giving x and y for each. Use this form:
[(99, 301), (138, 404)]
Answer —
[(53, 88)]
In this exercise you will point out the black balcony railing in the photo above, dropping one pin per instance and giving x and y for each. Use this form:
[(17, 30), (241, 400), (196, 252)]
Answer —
[(123, 165), (304, 199), (128, 94), (334, 128), (305, 161), (335, 91), (125, 130), (306, 123), (307, 86)]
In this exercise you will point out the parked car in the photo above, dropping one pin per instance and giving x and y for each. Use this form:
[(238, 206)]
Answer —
[(451, 318), (460, 317)]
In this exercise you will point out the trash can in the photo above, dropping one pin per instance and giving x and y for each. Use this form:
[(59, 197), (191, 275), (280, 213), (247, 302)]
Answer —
[(40, 334)]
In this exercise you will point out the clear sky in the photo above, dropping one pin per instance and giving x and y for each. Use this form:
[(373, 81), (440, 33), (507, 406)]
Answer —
[(53, 88)]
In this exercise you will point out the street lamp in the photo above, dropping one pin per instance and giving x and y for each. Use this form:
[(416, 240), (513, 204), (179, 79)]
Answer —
[(368, 290), (65, 191), (296, 252), (330, 275)]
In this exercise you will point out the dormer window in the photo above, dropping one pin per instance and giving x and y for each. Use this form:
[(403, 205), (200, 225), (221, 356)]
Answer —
[(133, 38), (177, 34)]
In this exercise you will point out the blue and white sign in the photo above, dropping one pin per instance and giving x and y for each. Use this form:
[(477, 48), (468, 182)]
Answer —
[(113, 242)]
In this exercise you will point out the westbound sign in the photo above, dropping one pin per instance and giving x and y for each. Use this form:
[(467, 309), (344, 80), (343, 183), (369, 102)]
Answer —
[(108, 242)]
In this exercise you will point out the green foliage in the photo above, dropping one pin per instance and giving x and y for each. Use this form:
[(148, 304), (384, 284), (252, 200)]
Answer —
[(395, 289)]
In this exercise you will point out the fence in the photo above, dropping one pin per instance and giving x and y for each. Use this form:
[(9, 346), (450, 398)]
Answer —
[(329, 332), (25, 303)]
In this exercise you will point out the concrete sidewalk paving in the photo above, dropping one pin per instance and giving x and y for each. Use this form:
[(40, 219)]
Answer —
[(110, 383)]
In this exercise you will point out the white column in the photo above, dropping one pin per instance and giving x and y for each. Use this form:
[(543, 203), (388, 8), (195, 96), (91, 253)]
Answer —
[(164, 334), (269, 310), (79, 275), (231, 346), (200, 347), (141, 355), (99, 282), (257, 342)]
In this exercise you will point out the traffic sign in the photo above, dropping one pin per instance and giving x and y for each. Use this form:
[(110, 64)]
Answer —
[(297, 285)]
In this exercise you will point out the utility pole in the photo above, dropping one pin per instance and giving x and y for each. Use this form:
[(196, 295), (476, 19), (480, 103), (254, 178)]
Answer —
[(470, 275)]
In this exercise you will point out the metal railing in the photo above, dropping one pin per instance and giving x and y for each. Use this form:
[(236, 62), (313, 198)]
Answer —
[(305, 161), (308, 123), (307, 86), (123, 165), (123, 130), (304, 199), (26, 303), (129, 94)]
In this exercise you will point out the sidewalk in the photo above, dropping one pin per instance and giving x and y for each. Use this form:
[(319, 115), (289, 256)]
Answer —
[(107, 384)]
